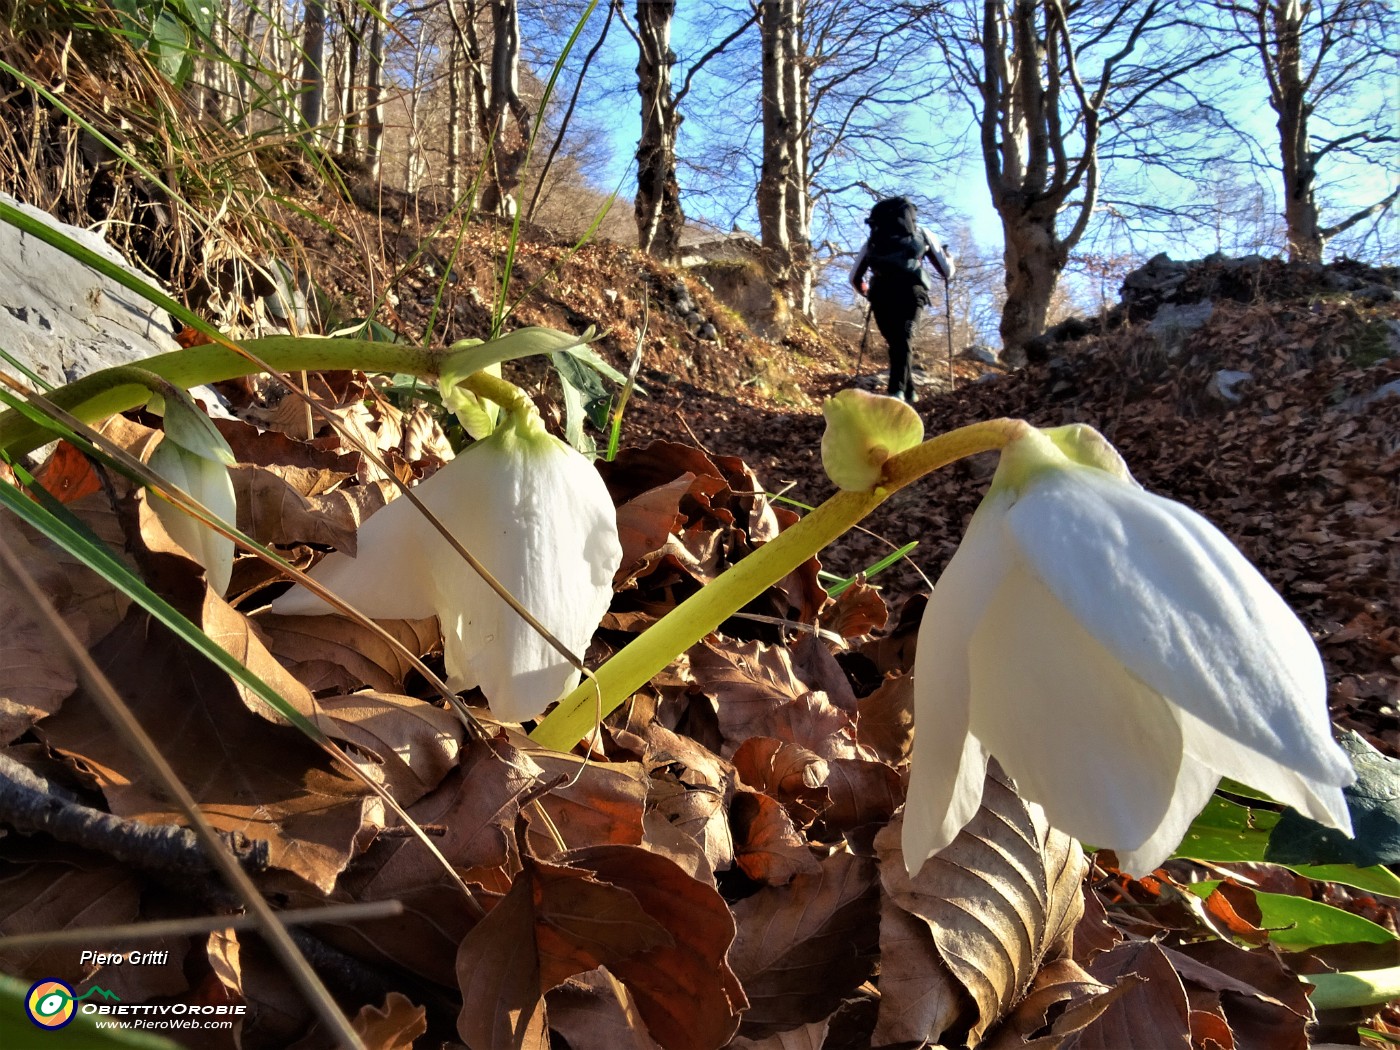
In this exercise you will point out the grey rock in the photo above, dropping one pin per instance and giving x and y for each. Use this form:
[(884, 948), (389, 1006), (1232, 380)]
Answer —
[(1364, 401), (694, 320), (708, 332), (1171, 323), (1375, 293), (1226, 384), (982, 354), (63, 320)]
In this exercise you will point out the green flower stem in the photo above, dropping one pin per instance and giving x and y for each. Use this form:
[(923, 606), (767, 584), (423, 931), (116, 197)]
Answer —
[(114, 390), (703, 612), (509, 396), (1336, 991)]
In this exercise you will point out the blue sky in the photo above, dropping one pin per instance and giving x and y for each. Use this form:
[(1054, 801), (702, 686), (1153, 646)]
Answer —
[(943, 165)]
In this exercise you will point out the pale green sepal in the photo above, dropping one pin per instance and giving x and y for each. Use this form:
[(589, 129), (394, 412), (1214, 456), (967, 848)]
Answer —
[(1087, 447), (863, 430), (192, 430)]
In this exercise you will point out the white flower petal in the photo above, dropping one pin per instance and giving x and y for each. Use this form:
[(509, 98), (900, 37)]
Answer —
[(1098, 750), (948, 765), (1181, 608), (551, 539), (1322, 802), (1195, 783)]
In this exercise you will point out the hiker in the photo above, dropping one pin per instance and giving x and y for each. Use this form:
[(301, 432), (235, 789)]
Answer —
[(899, 285)]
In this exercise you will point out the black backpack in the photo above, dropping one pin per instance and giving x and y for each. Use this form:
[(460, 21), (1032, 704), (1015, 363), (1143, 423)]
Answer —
[(895, 245)]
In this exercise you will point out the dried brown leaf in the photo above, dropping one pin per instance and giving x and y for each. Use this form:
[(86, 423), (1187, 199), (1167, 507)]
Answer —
[(885, 722), (1001, 901), (1152, 1015), (596, 804), (687, 992), (394, 1026), (862, 793), (416, 744), (249, 775), (803, 947), (791, 774), (36, 898), (767, 845), (273, 511), (595, 1009), (332, 652)]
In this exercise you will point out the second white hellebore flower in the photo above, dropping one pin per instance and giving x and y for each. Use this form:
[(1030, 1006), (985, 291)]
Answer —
[(195, 457), (1117, 655), (538, 517)]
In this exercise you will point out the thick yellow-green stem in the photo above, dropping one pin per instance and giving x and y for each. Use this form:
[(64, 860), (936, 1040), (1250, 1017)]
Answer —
[(112, 390), (704, 611)]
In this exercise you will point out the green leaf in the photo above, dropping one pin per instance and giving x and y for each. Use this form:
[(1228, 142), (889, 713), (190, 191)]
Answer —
[(1375, 879), (369, 329), (1298, 924), (1374, 801), (1226, 832)]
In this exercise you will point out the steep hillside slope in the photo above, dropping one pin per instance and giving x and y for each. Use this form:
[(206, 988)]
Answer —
[(1267, 418)]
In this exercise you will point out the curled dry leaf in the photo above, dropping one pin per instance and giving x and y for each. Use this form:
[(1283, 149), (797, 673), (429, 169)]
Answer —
[(394, 1026), (768, 848), (333, 652), (804, 947), (416, 743), (786, 772), (998, 903), (595, 1009)]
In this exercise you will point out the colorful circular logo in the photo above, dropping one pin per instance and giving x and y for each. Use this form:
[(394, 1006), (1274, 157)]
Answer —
[(50, 1004)]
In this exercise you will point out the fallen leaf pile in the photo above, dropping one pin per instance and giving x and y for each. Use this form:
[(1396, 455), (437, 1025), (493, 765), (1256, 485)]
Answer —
[(723, 867)]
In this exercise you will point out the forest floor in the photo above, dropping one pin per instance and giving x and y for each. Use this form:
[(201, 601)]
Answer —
[(1293, 466)]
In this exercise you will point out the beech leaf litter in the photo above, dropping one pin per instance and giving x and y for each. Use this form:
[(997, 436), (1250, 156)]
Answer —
[(722, 868)]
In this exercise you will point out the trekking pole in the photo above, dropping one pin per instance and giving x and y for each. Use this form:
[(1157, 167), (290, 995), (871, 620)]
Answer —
[(948, 310), (864, 339)]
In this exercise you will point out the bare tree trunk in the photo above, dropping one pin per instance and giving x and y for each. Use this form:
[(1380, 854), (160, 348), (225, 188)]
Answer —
[(313, 58), (352, 120), (657, 206), (508, 140), (471, 84), (1028, 69), (1280, 47), (454, 119), (781, 173), (374, 90)]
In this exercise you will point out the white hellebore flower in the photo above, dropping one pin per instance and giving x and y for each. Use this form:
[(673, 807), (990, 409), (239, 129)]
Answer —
[(538, 517), (1117, 655), (193, 456)]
